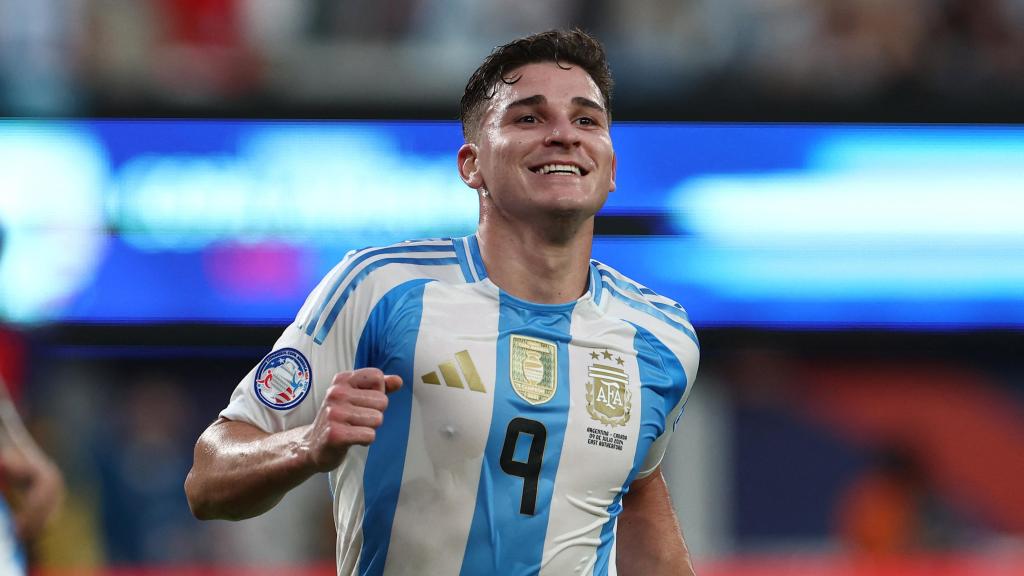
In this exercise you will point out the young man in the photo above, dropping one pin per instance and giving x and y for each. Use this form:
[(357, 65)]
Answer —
[(495, 404)]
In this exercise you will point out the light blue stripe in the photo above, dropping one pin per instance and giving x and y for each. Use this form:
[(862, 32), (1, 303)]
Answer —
[(321, 334), (673, 308), (394, 321), (663, 382), (626, 286), (501, 539), (478, 261), (595, 284), (460, 253), (651, 310), (369, 253)]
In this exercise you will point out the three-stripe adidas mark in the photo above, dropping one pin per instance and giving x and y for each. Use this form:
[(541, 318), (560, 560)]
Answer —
[(451, 375)]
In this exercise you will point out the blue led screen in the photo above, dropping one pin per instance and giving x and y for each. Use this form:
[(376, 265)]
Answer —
[(791, 226)]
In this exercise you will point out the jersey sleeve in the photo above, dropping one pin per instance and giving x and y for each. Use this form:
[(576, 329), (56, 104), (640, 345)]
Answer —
[(680, 359), (285, 389)]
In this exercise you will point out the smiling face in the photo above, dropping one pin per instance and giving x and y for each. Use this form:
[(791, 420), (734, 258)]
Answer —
[(543, 146)]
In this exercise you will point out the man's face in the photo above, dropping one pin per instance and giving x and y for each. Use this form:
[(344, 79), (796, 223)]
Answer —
[(543, 145)]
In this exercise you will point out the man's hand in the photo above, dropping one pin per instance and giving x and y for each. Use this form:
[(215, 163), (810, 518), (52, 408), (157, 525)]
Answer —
[(240, 471), (352, 410)]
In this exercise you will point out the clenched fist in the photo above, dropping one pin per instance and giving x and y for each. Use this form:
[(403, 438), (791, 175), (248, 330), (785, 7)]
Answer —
[(352, 410)]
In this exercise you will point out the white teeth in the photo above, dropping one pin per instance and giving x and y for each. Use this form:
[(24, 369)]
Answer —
[(559, 168)]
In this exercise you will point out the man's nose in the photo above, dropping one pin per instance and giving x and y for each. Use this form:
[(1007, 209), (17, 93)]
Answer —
[(562, 133)]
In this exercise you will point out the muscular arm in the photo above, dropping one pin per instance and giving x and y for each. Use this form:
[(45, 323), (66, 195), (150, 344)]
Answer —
[(650, 542), (240, 471)]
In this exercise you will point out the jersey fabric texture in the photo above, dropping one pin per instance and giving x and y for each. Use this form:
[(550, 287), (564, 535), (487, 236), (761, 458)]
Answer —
[(519, 426)]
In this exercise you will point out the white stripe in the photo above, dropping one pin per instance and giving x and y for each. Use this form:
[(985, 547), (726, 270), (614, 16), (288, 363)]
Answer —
[(577, 516), (447, 434), (347, 486), (469, 258), (685, 351)]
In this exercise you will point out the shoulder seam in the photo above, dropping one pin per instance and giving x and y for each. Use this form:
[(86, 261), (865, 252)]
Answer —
[(644, 294), (344, 282), (656, 315)]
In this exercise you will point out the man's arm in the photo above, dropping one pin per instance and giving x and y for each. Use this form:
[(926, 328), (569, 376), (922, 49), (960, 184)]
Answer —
[(240, 471), (34, 481), (650, 542)]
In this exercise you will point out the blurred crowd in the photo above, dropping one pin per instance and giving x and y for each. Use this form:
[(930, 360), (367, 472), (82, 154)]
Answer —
[(411, 57), (866, 446), (121, 431)]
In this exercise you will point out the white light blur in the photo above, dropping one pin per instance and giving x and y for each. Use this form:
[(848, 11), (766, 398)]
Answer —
[(832, 208), (301, 183), (51, 184), (930, 216)]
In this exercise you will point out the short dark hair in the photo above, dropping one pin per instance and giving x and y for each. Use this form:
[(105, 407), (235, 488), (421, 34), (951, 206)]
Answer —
[(563, 47)]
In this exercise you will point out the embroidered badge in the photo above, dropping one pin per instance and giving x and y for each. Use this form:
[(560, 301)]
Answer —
[(533, 368), (608, 396), (283, 379)]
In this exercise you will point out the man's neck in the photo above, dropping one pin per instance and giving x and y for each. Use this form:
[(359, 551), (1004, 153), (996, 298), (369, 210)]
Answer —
[(536, 268)]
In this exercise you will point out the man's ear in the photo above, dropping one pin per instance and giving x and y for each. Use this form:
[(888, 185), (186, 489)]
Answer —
[(469, 166)]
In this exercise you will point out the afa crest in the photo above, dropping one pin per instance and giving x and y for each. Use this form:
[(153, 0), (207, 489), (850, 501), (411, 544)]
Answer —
[(283, 379), (533, 368), (609, 400)]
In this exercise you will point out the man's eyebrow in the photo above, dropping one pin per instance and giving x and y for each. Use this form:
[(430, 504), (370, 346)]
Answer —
[(538, 99), (529, 101), (587, 103)]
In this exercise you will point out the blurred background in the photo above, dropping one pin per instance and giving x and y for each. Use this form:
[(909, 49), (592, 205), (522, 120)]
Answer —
[(834, 190)]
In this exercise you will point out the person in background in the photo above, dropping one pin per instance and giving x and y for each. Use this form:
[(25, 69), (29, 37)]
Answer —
[(31, 485)]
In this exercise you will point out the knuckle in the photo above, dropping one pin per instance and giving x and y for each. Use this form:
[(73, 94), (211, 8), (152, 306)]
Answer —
[(339, 395), (370, 374), (337, 437)]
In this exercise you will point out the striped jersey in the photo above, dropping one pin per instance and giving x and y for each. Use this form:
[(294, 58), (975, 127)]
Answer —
[(519, 426)]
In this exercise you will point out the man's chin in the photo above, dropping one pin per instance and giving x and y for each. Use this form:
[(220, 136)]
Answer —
[(578, 204), (568, 215)]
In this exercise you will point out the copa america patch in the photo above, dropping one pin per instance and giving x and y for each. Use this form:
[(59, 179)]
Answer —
[(283, 379)]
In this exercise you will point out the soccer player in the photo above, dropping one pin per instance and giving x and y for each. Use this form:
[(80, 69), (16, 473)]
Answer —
[(493, 404)]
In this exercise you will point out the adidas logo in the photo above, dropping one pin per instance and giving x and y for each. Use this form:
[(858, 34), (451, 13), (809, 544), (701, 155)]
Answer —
[(451, 375)]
